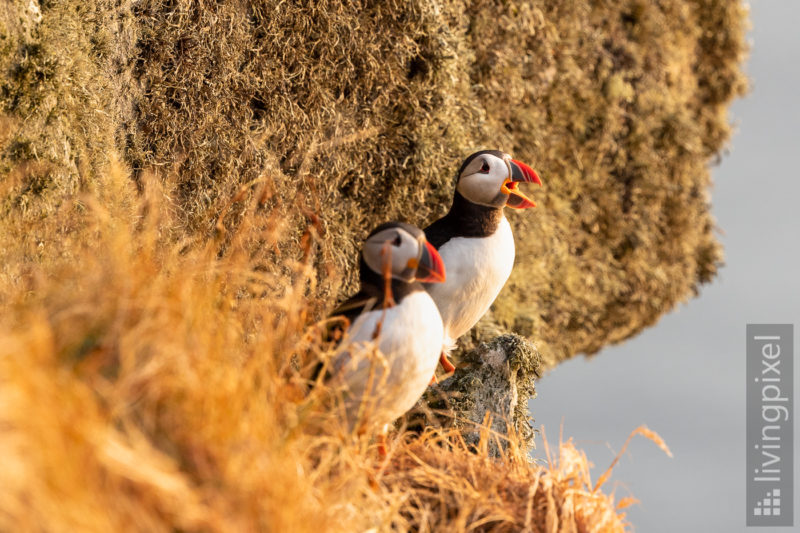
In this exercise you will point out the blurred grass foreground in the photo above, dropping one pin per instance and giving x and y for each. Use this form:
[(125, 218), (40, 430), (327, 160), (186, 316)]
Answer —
[(184, 186)]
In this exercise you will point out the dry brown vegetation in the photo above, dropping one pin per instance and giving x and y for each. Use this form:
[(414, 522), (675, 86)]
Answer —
[(146, 384)]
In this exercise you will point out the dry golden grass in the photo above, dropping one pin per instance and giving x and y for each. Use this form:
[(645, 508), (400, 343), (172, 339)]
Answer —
[(147, 384)]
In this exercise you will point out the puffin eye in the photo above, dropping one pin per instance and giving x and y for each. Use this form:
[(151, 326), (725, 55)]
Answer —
[(397, 241), (485, 167)]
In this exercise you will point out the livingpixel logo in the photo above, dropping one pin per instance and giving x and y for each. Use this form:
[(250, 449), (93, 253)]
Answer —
[(770, 505), (770, 424)]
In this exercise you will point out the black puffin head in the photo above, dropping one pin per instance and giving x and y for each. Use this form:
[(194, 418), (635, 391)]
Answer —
[(490, 177), (402, 251)]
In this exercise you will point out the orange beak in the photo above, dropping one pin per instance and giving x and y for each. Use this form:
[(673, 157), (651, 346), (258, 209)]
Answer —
[(520, 172), (431, 266)]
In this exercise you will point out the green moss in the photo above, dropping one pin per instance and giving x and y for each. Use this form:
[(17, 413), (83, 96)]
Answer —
[(357, 114), (495, 377), (56, 85)]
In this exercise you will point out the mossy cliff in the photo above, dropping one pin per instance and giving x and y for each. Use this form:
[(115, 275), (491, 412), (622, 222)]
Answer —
[(490, 390), (344, 115)]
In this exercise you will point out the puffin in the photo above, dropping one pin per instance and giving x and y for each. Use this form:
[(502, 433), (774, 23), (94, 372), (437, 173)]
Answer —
[(390, 342), (475, 241)]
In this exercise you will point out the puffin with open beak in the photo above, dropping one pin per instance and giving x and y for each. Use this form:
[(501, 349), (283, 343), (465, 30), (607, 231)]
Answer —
[(475, 240), (395, 314)]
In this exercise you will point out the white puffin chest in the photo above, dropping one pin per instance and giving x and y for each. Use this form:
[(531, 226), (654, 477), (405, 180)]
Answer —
[(392, 378), (477, 269)]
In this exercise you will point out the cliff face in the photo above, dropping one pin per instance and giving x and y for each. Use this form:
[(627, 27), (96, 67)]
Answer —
[(151, 320), (340, 117)]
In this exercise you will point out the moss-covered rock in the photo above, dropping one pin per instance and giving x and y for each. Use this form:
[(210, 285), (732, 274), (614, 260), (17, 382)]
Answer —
[(337, 116), (496, 380)]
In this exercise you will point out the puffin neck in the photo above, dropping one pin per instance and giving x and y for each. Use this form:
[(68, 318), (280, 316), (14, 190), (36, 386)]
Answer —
[(373, 282), (469, 219)]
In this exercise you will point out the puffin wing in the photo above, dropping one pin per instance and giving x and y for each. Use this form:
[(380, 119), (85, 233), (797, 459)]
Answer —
[(361, 302), (341, 318)]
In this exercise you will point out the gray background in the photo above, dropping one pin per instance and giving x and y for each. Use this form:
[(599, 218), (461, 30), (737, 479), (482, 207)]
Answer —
[(685, 377)]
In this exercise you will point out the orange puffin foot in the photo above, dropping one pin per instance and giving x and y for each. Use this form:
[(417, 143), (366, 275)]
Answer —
[(446, 364)]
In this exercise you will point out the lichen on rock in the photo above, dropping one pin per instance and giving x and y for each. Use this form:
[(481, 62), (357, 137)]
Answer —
[(496, 378)]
